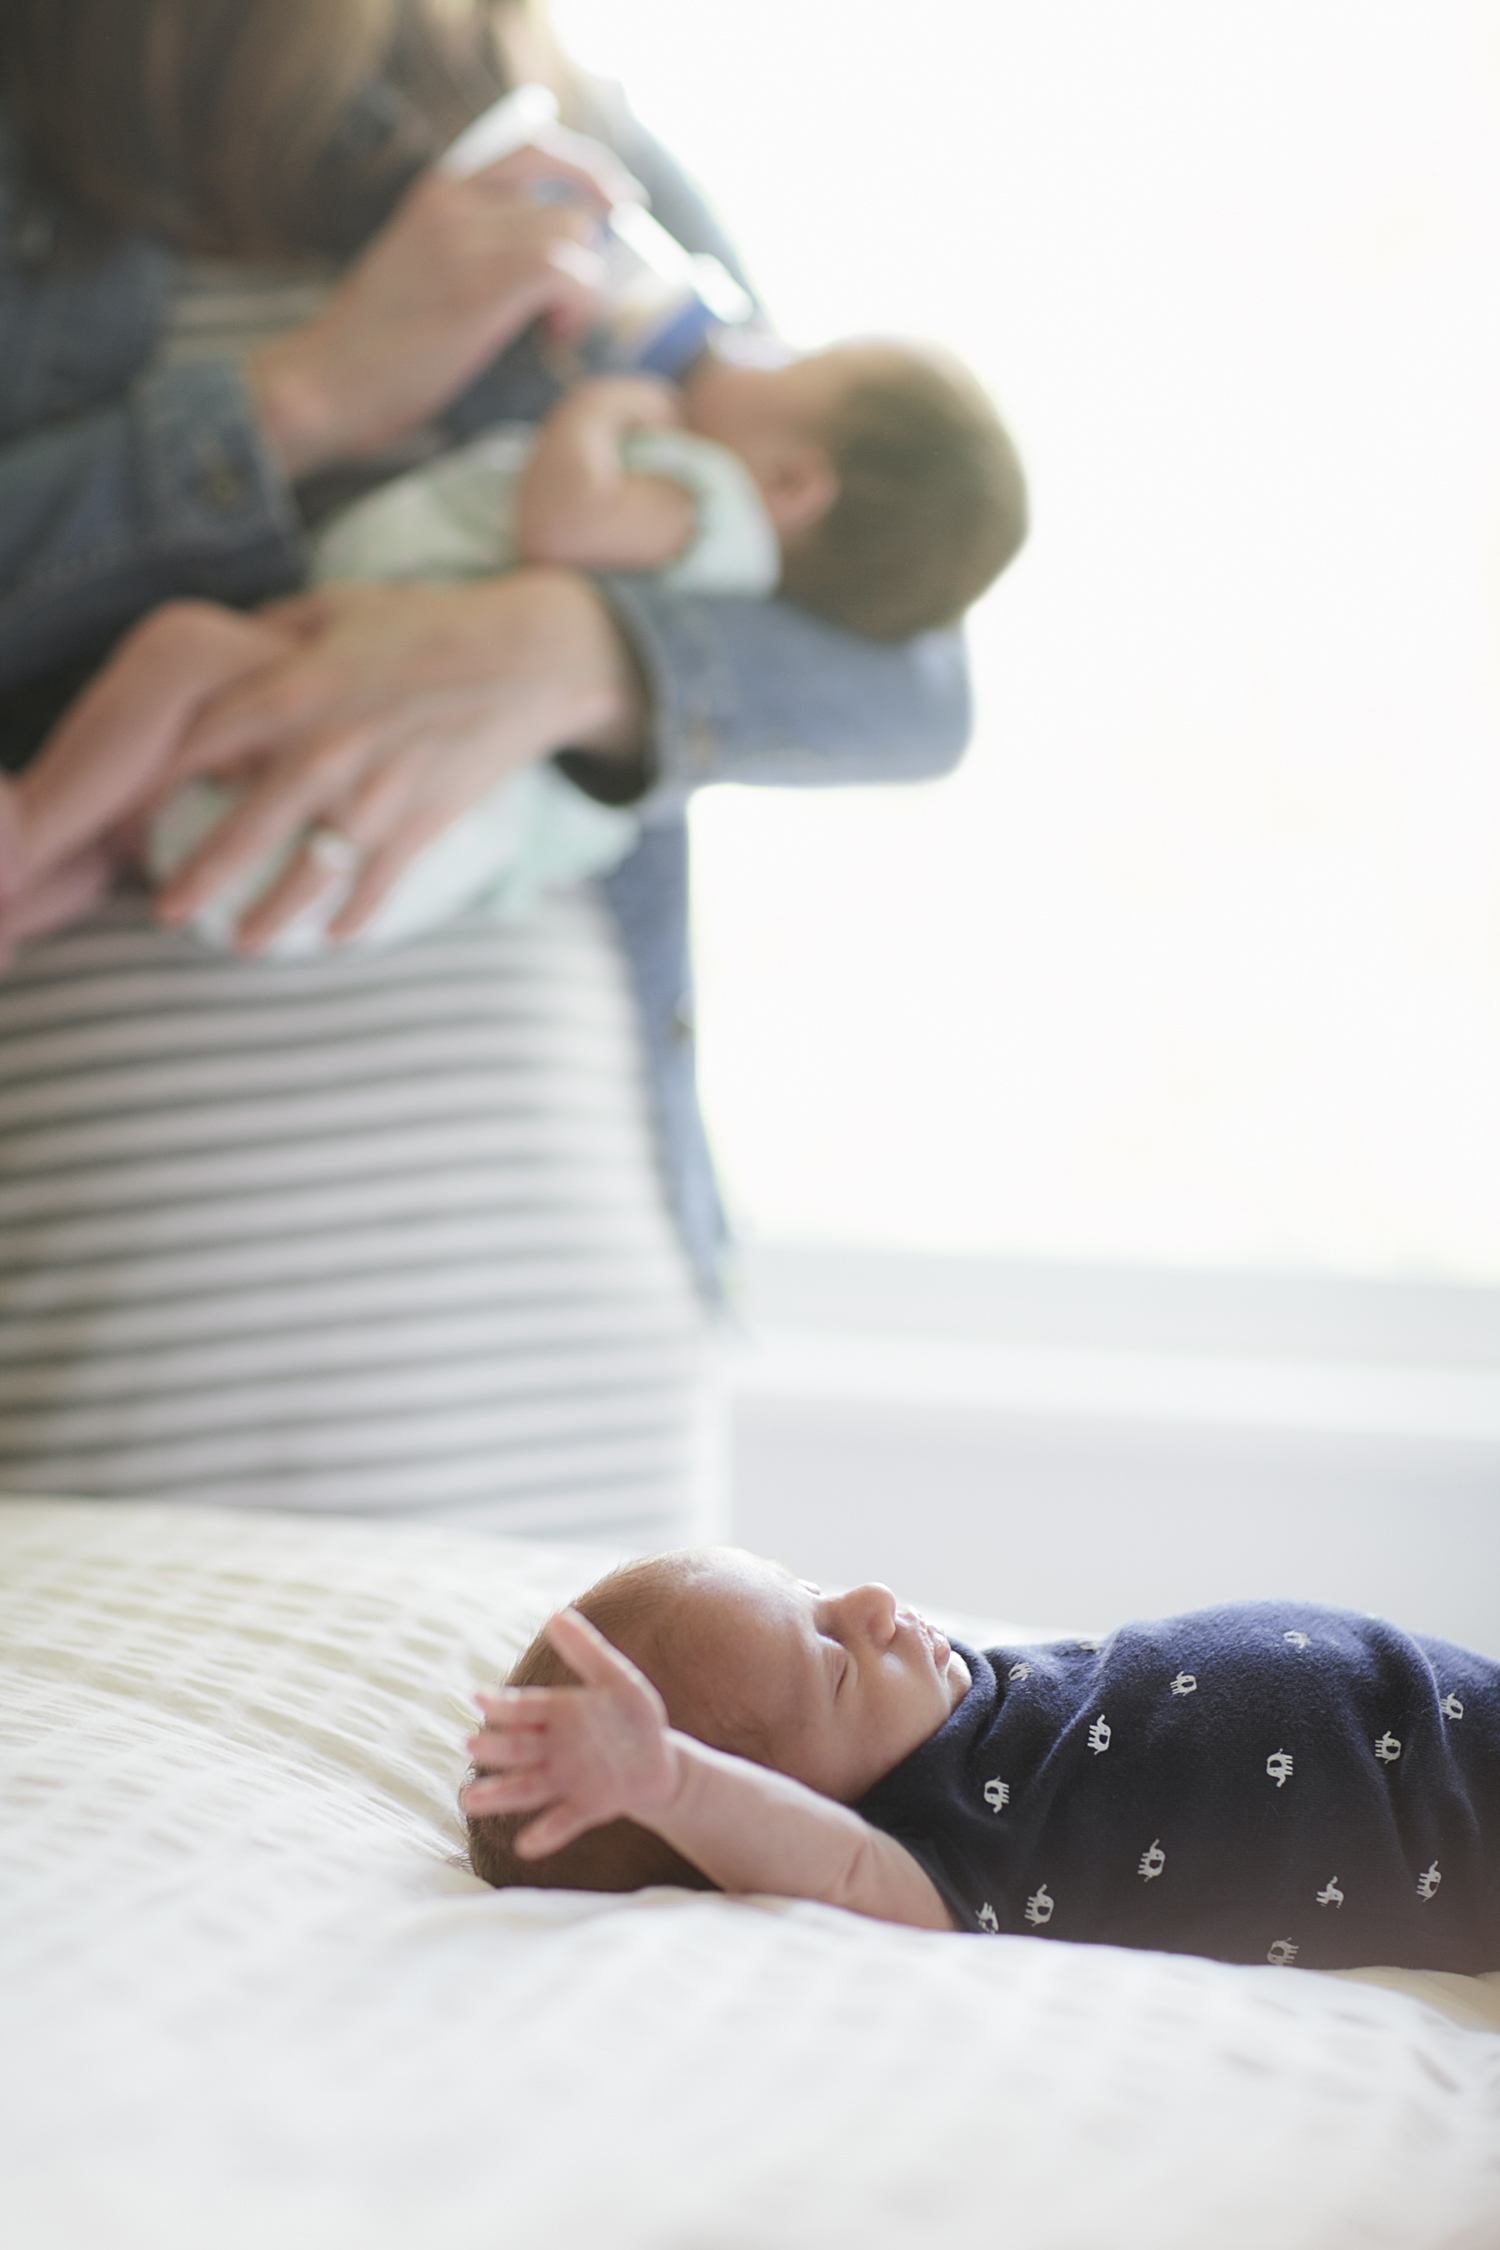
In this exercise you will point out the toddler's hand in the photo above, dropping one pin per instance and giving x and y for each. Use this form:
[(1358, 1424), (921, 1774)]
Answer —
[(589, 1754)]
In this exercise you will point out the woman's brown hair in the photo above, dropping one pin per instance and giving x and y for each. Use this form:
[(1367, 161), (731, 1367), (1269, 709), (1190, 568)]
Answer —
[(249, 128)]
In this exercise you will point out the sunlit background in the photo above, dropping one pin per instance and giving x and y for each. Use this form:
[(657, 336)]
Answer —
[(1115, 1125), (1197, 959)]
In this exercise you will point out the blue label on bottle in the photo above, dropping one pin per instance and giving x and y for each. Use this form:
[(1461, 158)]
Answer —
[(670, 351)]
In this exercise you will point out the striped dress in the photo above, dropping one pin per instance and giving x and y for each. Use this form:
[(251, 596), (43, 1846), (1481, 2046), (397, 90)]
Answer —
[(377, 1232)]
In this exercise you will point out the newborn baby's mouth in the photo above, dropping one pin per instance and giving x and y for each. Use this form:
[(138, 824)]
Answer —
[(939, 1647)]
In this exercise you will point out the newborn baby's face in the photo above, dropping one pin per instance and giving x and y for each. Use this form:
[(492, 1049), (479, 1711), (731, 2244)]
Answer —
[(834, 1689)]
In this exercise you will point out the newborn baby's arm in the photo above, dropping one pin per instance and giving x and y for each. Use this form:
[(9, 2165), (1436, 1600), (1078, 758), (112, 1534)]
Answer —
[(604, 1751), (578, 505), (754, 1830)]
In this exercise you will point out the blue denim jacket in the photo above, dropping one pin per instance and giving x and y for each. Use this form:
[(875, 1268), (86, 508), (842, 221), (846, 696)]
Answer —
[(120, 489)]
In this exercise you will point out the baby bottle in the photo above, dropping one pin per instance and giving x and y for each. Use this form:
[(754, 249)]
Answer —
[(662, 303)]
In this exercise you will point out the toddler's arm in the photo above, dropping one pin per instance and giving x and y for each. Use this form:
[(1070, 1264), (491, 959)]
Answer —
[(579, 506), (604, 1750)]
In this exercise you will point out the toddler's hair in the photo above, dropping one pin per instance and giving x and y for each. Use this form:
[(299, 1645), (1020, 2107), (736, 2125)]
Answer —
[(630, 1610), (931, 501)]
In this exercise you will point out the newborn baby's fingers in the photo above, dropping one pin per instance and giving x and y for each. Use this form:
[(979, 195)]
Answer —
[(551, 1832), (509, 1792), (515, 1711), (508, 1751)]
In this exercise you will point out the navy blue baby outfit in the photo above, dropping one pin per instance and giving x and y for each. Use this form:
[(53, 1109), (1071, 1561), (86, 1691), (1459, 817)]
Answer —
[(1264, 1782)]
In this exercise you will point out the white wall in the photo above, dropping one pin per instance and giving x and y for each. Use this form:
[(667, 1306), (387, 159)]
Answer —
[(1074, 1446), (1198, 958)]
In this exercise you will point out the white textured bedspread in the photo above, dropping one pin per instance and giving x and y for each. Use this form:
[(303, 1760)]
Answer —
[(247, 2002)]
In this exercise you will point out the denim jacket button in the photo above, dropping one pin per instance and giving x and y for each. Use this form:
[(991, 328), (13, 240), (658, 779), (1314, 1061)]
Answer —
[(223, 487)]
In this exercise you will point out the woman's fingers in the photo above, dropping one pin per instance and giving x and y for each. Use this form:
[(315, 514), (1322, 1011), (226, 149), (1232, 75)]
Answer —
[(497, 234), (65, 894), (583, 268), (301, 615), (111, 754), (571, 159), (364, 850), (386, 863), (338, 668), (546, 262), (298, 887), (291, 794), (267, 713)]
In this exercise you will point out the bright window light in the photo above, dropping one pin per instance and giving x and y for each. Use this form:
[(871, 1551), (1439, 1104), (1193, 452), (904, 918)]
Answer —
[(1197, 959)]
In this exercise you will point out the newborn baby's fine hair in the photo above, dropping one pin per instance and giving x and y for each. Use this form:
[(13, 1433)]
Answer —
[(631, 1608), (931, 502)]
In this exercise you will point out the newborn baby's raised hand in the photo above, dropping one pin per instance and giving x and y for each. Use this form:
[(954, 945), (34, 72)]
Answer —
[(605, 1751), (600, 1751)]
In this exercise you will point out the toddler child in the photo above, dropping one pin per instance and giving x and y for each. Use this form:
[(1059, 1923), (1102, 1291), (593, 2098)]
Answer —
[(873, 483), (1266, 1782)]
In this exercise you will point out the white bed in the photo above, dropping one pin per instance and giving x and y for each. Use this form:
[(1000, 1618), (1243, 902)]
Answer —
[(249, 2000)]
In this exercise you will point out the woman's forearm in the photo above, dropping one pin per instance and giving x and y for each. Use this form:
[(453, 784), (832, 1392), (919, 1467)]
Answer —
[(105, 514), (754, 1830), (761, 692)]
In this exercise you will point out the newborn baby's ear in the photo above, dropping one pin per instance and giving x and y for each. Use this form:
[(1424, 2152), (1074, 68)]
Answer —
[(799, 487)]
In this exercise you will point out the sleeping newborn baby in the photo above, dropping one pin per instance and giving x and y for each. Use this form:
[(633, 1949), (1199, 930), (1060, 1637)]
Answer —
[(873, 483), (1267, 1782)]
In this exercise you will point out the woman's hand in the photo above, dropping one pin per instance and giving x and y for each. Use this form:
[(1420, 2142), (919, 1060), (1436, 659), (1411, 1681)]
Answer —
[(32, 904), (35, 901), (600, 1751), (397, 709), (110, 755), (68, 826), (63, 895), (459, 270)]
